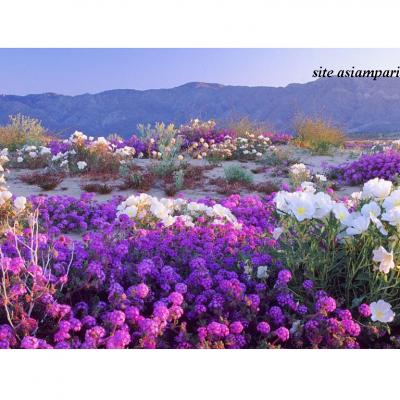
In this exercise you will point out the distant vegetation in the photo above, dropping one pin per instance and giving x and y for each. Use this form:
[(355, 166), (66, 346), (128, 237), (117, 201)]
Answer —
[(318, 135), (22, 130)]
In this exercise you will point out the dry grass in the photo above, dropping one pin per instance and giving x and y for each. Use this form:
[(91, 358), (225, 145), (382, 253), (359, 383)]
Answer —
[(318, 135), (243, 125), (22, 130)]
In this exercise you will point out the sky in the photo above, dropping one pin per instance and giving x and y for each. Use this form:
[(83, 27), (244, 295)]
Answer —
[(77, 71)]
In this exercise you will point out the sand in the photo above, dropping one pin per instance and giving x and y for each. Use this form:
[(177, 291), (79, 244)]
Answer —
[(71, 186)]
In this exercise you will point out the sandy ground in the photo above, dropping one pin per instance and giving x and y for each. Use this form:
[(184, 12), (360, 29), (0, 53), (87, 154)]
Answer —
[(71, 186)]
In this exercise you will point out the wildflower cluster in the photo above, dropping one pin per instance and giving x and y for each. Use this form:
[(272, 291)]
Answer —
[(385, 165), (251, 146), (147, 211), (348, 247)]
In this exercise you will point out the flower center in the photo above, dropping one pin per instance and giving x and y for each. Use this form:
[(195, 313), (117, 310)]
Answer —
[(301, 210)]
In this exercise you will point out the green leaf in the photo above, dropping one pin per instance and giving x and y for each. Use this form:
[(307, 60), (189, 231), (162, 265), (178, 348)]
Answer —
[(357, 301)]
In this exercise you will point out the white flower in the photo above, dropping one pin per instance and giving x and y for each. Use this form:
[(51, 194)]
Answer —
[(180, 157), (32, 154), (393, 200), (392, 216), (44, 151), (340, 211), (384, 258), (298, 169), (381, 311), (308, 187), (81, 165), (356, 223), (302, 207), (323, 205), (377, 188), (356, 195), (378, 224), (77, 136), (277, 233), (262, 272), (4, 196), (20, 203), (282, 200), (20, 159), (371, 209), (321, 177)]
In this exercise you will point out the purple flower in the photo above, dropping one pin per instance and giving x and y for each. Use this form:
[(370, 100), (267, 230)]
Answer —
[(217, 329), (364, 310), (308, 284), (263, 327), (29, 342), (282, 333), (325, 305), (284, 276), (236, 327), (175, 298)]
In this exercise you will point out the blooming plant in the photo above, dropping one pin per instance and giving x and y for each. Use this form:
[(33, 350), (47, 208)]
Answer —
[(147, 211), (385, 165), (348, 248), (251, 146), (299, 173), (32, 157)]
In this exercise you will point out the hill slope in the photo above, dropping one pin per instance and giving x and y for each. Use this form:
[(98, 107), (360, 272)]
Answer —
[(358, 105)]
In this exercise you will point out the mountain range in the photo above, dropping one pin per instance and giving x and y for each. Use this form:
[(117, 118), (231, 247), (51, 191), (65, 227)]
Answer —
[(358, 105)]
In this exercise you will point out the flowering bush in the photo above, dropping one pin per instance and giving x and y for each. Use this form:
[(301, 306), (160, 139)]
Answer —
[(251, 146), (348, 248), (148, 211), (299, 173), (385, 165)]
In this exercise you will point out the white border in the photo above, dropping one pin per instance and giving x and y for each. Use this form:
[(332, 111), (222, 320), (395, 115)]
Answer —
[(199, 23), (198, 374)]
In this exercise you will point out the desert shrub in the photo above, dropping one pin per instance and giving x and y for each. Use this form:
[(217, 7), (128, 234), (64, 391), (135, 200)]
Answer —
[(45, 180), (167, 158), (244, 125), (267, 187), (194, 176), (179, 179), (101, 188), (50, 182), (137, 179), (22, 130), (278, 156), (236, 173), (30, 179), (318, 135)]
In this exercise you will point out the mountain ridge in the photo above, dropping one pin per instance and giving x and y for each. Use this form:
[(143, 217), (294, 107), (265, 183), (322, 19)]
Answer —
[(358, 105)]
